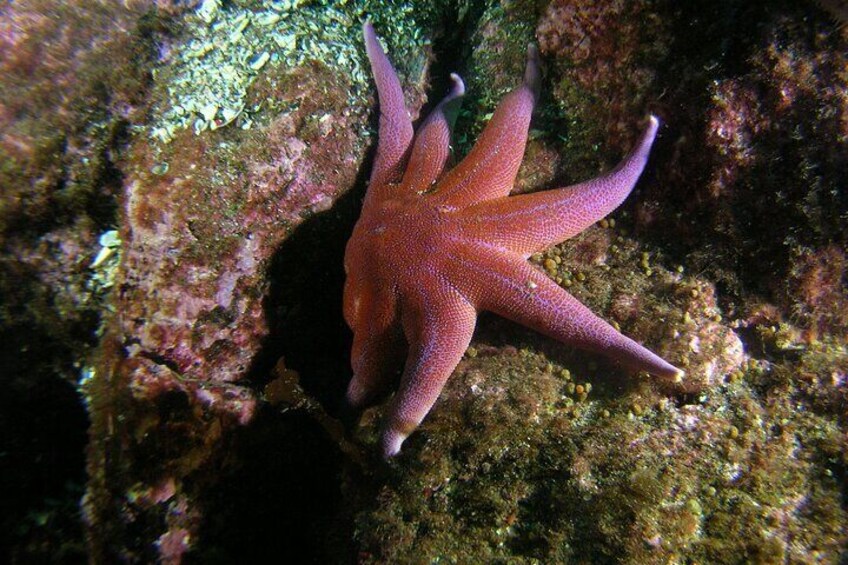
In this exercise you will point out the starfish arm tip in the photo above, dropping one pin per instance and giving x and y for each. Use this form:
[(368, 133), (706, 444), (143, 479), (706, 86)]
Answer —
[(392, 442), (533, 53), (666, 370), (458, 87), (653, 124), (356, 393), (372, 44), (638, 156)]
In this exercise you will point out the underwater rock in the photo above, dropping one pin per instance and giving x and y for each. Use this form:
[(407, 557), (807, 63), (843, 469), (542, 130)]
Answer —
[(73, 82), (535, 453), (213, 190), (752, 96), (214, 142)]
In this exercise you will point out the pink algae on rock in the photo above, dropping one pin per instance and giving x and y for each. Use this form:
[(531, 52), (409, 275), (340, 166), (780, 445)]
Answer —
[(203, 218), (818, 283), (755, 131), (201, 234), (603, 53)]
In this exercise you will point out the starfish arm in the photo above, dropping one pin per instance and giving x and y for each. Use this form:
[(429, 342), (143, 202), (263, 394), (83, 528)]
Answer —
[(375, 356), (395, 131), (489, 169), (431, 149), (531, 222), (370, 309), (438, 331), (511, 287), (376, 352)]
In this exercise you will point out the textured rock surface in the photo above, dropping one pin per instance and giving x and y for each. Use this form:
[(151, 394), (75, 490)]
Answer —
[(211, 205), (73, 81), (232, 214)]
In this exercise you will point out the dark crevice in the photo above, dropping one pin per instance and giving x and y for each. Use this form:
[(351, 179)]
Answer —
[(42, 463), (454, 25), (279, 501), (304, 303), (283, 494), (161, 360)]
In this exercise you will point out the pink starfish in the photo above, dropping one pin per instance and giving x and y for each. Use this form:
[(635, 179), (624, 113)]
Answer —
[(434, 248)]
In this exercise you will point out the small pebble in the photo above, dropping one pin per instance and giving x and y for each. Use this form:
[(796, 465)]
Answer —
[(694, 506)]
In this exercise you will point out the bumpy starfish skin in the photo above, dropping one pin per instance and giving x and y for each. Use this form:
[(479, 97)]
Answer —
[(434, 248)]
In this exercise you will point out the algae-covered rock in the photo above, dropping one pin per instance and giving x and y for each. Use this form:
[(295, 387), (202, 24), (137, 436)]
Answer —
[(179, 182), (258, 123), (73, 78), (525, 459)]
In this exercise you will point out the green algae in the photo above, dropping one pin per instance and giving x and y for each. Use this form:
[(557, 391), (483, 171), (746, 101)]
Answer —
[(495, 464), (514, 459)]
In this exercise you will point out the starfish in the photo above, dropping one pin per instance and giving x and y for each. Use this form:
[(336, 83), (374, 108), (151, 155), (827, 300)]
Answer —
[(433, 248)]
